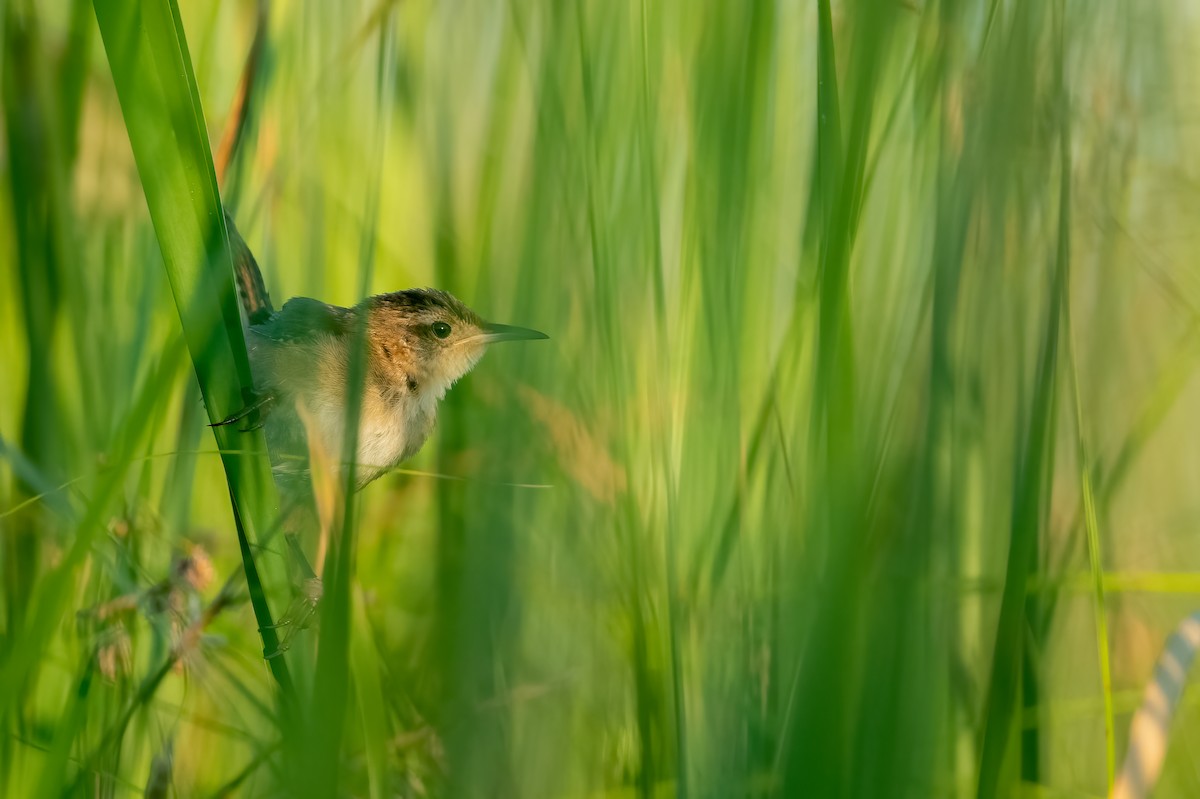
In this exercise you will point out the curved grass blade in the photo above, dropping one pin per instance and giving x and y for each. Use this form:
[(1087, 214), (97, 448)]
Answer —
[(152, 73)]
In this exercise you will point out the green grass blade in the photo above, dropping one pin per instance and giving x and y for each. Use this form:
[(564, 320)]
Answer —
[(152, 72), (332, 683), (1031, 493), (364, 664), (50, 599), (55, 773), (38, 192)]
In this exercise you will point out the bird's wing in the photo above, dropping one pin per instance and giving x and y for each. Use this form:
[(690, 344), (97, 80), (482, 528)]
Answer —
[(303, 318)]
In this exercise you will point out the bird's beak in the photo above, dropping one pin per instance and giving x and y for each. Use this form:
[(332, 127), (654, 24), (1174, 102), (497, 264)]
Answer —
[(494, 332)]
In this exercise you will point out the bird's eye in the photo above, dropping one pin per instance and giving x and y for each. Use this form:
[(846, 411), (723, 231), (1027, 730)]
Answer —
[(441, 329)]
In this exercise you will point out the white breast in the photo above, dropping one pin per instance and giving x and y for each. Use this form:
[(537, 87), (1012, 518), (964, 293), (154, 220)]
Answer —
[(390, 433)]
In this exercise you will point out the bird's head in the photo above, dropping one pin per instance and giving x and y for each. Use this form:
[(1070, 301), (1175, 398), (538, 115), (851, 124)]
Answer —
[(422, 340)]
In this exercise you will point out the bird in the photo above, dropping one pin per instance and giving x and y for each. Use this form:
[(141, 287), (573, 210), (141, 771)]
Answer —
[(418, 342)]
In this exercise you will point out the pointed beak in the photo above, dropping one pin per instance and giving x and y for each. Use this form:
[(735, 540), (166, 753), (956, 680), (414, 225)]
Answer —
[(494, 332)]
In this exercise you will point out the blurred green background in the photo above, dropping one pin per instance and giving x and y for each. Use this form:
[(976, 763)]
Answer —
[(860, 461)]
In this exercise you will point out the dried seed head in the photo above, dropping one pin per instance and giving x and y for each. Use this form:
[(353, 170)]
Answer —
[(195, 570)]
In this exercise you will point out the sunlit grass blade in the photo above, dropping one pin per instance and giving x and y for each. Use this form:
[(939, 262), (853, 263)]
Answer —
[(152, 73)]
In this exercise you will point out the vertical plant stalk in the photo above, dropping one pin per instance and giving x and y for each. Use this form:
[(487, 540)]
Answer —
[(1096, 564), (37, 189), (821, 724), (670, 538), (152, 72), (1087, 483), (1031, 490), (331, 687), (796, 751), (239, 113)]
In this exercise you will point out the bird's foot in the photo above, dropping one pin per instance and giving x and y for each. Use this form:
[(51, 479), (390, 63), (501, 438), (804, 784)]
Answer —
[(299, 615), (253, 412)]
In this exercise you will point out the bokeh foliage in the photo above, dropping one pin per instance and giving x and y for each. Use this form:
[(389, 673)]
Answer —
[(859, 462)]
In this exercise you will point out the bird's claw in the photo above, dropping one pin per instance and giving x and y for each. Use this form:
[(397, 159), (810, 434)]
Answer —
[(299, 616), (256, 404), (277, 651)]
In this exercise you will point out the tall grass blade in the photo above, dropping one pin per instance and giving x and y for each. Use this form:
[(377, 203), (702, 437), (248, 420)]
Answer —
[(1034, 469), (152, 72)]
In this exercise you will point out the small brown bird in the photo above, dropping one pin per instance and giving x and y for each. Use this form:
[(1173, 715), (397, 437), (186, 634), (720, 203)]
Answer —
[(418, 343)]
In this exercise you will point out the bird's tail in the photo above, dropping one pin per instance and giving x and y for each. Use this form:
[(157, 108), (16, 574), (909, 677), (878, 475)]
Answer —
[(251, 289)]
